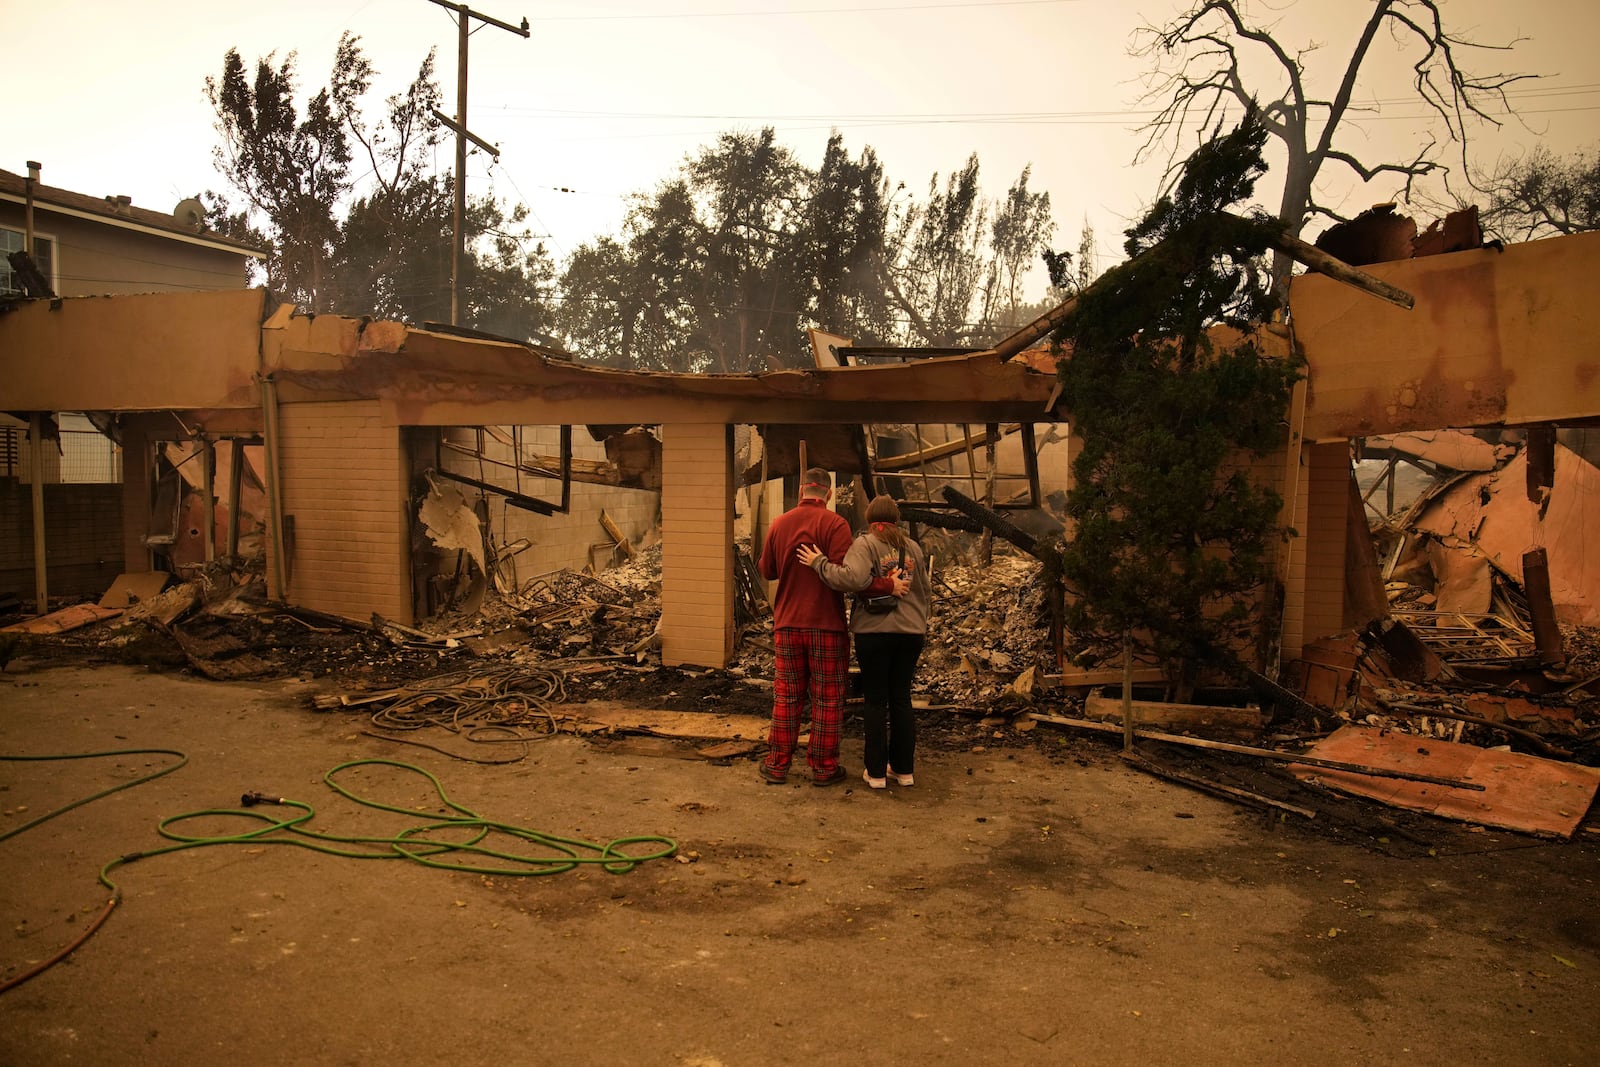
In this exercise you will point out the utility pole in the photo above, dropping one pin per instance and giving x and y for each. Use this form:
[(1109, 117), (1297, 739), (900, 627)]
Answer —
[(464, 15)]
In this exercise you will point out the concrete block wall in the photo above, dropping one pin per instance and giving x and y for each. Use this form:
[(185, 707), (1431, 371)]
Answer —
[(82, 536), (697, 544), (345, 494)]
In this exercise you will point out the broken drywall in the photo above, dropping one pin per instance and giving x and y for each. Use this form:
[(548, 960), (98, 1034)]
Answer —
[(1491, 514)]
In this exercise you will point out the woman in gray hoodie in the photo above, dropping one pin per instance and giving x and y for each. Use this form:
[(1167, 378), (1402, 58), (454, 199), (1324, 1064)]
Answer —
[(888, 642)]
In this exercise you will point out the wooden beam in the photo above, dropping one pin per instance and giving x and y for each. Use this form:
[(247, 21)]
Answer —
[(1263, 753), (886, 464), (1296, 249), (1340, 271), (1037, 329)]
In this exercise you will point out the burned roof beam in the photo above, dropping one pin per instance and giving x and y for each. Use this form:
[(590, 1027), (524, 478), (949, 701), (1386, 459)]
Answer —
[(1300, 251), (512, 497)]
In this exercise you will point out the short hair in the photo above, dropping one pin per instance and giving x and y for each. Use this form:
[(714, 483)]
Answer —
[(883, 509), (817, 481)]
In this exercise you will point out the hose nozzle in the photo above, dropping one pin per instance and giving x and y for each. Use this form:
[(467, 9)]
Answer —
[(250, 800)]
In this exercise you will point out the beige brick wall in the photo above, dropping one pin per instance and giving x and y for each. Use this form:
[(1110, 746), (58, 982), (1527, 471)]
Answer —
[(697, 544), (344, 487)]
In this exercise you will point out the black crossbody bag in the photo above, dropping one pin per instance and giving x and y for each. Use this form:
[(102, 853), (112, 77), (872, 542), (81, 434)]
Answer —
[(882, 605)]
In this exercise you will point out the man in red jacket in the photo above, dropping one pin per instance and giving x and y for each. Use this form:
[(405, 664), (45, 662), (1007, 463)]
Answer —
[(809, 634)]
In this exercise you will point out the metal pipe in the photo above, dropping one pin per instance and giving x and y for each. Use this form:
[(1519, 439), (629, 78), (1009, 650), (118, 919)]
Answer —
[(27, 211)]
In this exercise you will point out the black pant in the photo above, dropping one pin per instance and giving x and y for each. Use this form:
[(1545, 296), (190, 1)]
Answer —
[(888, 662)]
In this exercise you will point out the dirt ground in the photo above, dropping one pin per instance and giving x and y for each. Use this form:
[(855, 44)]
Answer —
[(1031, 900)]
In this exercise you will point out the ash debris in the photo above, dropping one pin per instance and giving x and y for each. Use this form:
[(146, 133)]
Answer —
[(989, 627)]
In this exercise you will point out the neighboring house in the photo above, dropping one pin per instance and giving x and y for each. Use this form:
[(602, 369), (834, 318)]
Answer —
[(93, 246), (89, 246)]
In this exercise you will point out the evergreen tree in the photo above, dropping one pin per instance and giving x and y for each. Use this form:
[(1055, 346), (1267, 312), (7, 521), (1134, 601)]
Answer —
[(1172, 536), (379, 245)]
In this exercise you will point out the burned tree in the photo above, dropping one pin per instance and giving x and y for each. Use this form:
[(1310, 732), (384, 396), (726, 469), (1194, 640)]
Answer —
[(1173, 539), (1203, 63)]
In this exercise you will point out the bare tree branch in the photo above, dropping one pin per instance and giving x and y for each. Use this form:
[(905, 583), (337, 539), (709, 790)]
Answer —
[(1199, 80)]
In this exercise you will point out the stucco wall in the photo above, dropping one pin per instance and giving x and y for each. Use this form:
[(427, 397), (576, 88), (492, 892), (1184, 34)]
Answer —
[(1495, 338), (154, 352)]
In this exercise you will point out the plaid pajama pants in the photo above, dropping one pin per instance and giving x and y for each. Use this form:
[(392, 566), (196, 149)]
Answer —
[(811, 665)]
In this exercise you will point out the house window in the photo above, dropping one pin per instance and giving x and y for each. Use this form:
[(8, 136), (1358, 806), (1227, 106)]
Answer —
[(44, 256)]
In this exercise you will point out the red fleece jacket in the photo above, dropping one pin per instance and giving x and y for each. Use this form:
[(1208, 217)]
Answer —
[(802, 600)]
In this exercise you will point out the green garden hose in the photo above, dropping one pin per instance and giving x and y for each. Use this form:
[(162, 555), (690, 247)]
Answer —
[(472, 835)]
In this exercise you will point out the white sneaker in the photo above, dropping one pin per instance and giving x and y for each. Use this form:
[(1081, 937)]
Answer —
[(901, 779), (876, 783)]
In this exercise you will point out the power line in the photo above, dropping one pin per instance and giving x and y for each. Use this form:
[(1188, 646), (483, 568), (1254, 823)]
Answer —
[(788, 12), (978, 117)]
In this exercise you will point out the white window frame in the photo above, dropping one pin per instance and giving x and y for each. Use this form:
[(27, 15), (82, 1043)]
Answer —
[(53, 277)]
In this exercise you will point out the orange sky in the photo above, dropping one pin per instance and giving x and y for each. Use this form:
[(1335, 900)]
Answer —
[(607, 96)]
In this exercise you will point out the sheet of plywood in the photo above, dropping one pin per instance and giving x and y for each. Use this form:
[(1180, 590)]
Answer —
[(1523, 793), (132, 587), (59, 622)]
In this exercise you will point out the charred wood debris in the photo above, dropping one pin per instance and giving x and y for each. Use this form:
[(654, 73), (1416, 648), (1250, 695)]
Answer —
[(989, 676)]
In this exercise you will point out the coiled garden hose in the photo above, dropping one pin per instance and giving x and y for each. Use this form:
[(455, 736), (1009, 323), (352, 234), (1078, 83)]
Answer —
[(474, 837)]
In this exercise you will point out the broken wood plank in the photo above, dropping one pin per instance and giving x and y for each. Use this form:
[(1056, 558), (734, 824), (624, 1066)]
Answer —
[(1246, 750), (165, 607), (1206, 785), (1087, 679), (1247, 720), (694, 724), (728, 749), (1544, 747), (615, 534), (1340, 271), (409, 635), (330, 701), (60, 622), (1037, 329), (884, 464)]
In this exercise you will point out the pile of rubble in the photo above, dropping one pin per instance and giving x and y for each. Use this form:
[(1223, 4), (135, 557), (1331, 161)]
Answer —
[(1487, 537), (989, 631)]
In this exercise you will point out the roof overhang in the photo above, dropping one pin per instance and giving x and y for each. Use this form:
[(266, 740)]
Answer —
[(135, 226)]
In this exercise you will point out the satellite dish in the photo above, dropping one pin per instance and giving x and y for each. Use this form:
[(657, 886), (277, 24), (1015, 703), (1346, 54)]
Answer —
[(190, 213)]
